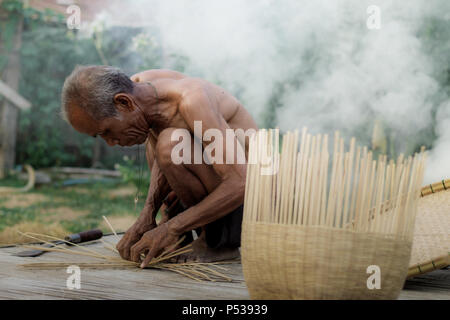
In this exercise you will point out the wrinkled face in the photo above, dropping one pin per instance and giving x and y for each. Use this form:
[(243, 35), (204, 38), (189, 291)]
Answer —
[(124, 129)]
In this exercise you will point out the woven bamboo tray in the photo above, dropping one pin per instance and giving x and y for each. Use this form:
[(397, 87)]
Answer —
[(431, 243)]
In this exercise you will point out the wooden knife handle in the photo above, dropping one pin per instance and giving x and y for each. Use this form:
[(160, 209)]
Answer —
[(85, 236)]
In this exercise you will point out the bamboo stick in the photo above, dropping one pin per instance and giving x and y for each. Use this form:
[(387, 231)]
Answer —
[(348, 181), (309, 182), (304, 179), (323, 206)]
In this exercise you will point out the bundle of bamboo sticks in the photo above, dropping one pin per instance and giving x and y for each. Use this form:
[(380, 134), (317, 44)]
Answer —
[(360, 193)]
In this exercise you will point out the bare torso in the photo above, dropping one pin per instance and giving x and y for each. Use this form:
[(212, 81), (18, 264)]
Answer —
[(170, 85)]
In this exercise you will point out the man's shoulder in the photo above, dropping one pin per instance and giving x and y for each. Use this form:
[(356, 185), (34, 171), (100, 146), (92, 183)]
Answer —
[(157, 74), (184, 88)]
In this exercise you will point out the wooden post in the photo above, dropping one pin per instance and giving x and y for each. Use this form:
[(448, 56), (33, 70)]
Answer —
[(8, 111)]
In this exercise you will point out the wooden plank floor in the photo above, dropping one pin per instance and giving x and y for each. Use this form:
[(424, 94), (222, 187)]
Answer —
[(20, 283)]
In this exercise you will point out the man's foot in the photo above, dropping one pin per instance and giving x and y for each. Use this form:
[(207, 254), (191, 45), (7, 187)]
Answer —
[(202, 253)]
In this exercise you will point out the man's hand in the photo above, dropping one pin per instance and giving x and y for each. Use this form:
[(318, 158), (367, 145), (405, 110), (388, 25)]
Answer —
[(133, 234), (153, 242)]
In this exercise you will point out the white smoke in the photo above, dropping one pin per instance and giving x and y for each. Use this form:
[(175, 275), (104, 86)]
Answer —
[(438, 164), (335, 73)]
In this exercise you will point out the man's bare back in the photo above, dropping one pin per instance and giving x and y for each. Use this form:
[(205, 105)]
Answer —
[(229, 107)]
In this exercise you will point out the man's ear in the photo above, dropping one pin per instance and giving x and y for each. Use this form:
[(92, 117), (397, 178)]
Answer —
[(123, 102)]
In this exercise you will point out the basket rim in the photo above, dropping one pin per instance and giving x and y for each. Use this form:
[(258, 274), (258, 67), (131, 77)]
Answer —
[(431, 188)]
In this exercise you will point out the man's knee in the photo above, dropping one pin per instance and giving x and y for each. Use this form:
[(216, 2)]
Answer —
[(149, 154), (164, 147)]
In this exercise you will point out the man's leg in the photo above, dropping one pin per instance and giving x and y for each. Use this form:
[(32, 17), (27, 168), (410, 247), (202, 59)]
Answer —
[(192, 182), (170, 206), (226, 231)]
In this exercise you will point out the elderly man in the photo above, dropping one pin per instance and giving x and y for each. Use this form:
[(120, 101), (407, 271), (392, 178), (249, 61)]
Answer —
[(152, 106)]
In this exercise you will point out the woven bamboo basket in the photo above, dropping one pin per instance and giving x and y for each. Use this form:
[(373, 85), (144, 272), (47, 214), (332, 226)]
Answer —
[(308, 234), (431, 243)]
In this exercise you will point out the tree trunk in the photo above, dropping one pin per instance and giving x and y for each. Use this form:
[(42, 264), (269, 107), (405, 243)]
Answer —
[(8, 112)]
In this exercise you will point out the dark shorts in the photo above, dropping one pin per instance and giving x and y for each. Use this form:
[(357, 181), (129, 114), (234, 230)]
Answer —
[(226, 231), (222, 233)]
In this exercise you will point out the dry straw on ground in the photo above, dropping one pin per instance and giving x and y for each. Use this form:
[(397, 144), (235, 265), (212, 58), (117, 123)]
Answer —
[(194, 270), (312, 229), (11, 236)]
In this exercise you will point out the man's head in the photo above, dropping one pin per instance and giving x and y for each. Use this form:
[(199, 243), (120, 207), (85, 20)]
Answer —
[(99, 100)]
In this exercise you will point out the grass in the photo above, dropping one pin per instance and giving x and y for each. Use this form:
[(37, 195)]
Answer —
[(74, 208)]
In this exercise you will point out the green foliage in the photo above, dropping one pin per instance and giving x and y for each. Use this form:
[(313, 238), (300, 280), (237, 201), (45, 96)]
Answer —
[(135, 173), (18, 11), (7, 29), (49, 53)]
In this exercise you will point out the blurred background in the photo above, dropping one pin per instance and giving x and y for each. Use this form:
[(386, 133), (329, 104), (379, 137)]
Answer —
[(291, 63)]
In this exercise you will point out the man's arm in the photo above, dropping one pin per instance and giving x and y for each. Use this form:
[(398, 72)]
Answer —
[(229, 194), (158, 190), (159, 186)]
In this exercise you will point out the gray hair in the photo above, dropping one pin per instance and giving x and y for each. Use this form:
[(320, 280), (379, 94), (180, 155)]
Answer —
[(93, 89)]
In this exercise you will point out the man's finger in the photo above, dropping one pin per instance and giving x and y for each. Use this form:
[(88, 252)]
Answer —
[(136, 251), (125, 253), (124, 250), (150, 255)]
